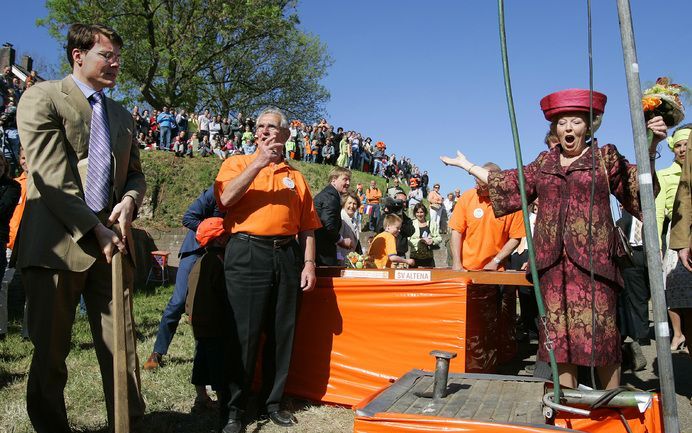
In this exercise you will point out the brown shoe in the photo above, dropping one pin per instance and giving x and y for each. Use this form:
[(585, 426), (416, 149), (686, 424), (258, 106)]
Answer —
[(153, 362)]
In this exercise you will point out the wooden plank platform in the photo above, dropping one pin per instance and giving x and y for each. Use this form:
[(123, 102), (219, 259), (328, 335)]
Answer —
[(481, 397)]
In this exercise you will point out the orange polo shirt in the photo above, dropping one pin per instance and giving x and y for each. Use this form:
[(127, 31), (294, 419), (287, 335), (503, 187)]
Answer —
[(381, 248), (482, 235), (277, 203), (18, 211), (373, 195)]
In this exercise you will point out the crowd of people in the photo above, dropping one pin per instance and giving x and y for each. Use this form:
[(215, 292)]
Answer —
[(190, 134), (256, 235)]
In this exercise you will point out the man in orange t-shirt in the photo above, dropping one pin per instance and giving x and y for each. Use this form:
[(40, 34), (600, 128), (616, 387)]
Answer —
[(268, 204), (479, 240), (373, 195)]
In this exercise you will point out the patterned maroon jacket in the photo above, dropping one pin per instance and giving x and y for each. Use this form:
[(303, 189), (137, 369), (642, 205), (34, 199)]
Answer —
[(563, 214)]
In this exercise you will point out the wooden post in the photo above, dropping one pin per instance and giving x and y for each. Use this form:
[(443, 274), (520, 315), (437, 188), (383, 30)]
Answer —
[(121, 407)]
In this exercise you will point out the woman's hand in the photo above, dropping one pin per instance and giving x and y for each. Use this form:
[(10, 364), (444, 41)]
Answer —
[(459, 161), (660, 130)]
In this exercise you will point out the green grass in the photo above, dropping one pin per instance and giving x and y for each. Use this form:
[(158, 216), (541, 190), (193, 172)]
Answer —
[(167, 392), (173, 183)]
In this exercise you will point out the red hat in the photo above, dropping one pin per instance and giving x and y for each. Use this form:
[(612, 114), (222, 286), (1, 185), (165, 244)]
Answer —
[(571, 100), (208, 230)]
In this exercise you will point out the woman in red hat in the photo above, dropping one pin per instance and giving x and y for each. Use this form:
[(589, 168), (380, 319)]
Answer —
[(561, 179)]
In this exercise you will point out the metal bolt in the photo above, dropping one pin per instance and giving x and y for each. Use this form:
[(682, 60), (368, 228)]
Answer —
[(441, 372)]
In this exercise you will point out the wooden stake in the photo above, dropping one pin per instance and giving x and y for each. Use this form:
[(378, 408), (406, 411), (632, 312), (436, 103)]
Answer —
[(121, 408)]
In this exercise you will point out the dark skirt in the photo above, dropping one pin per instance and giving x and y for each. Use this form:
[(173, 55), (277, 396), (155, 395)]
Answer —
[(208, 365), (566, 290)]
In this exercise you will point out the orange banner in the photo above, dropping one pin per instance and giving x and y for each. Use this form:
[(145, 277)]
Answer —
[(356, 335)]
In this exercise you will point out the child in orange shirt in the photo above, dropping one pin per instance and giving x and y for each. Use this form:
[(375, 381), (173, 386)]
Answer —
[(383, 248)]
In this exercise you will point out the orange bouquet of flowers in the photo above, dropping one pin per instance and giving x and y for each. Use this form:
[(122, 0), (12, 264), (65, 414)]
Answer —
[(663, 99)]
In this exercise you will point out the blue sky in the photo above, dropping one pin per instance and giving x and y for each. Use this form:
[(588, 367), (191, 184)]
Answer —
[(426, 77)]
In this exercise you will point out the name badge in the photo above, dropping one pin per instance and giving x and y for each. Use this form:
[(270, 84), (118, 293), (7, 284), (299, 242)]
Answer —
[(288, 182), (478, 213)]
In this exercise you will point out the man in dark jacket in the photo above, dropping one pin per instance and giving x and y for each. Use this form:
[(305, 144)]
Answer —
[(328, 207), (202, 208)]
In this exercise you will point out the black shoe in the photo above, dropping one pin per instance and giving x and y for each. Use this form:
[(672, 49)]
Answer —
[(233, 426), (282, 418)]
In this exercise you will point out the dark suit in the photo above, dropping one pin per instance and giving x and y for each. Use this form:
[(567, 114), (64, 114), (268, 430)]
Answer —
[(202, 208), (633, 300), (328, 207), (58, 251)]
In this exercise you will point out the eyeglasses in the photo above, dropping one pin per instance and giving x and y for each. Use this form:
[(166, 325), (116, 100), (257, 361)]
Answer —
[(109, 56)]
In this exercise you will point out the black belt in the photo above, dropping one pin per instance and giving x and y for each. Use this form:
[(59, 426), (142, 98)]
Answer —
[(272, 241)]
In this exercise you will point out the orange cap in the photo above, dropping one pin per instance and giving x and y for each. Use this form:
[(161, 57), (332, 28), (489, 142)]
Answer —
[(208, 230)]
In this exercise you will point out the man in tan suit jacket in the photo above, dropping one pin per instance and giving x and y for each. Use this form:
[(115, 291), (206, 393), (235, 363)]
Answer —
[(66, 246)]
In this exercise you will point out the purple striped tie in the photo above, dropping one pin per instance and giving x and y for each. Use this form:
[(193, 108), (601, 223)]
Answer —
[(99, 172)]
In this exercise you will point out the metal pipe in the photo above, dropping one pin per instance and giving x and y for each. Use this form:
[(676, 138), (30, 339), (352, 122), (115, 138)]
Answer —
[(524, 201), (441, 372), (640, 399), (653, 258)]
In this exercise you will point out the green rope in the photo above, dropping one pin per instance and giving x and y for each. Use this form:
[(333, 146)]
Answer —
[(524, 201)]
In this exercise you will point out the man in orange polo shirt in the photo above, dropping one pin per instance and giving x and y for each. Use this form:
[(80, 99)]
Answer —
[(479, 240), (267, 204)]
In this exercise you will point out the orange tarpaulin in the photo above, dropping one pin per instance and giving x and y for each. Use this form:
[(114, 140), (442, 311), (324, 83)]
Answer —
[(356, 335)]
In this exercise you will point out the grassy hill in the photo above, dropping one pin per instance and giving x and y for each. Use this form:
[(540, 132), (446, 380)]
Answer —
[(173, 183)]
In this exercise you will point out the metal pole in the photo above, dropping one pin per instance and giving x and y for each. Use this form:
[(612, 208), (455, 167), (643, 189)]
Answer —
[(646, 193)]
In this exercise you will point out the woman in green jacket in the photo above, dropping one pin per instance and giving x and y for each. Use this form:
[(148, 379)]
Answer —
[(425, 237), (669, 179)]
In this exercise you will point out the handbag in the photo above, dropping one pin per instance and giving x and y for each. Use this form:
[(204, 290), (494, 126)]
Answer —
[(621, 250)]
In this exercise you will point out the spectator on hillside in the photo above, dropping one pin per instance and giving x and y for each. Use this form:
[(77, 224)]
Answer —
[(204, 120), (214, 128), (248, 136), (182, 121), (165, 121), (193, 123), (373, 195), (344, 152), (226, 129), (194, 144), (205, 147), (394, 189), (425, 237), (415, 195), (448, 204), (142, 140), (180, 145), (424, 180), (328, 152), (249, 147), (362, 199), (436, 201)]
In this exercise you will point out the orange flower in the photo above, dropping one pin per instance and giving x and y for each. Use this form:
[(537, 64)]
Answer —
[(649, 103)]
